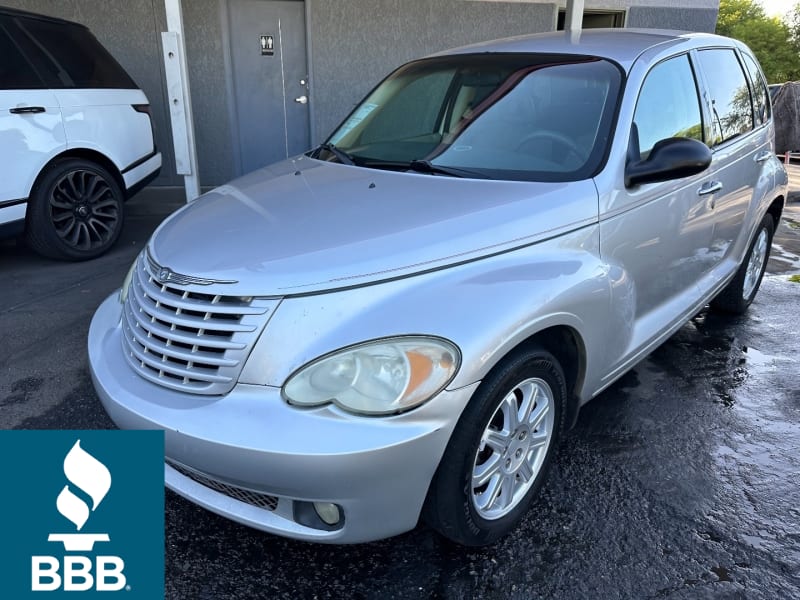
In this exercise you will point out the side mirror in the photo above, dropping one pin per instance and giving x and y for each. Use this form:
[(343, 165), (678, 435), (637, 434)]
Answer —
[(671, 158)]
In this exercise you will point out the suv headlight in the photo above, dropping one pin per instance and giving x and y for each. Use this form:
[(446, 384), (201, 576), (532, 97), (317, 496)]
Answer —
[(381, 377), (126, 283)]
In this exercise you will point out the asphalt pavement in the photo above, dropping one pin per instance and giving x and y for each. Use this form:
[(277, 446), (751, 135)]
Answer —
[(681, 481)]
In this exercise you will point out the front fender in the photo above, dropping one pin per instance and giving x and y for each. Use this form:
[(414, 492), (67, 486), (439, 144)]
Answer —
[(486, 307)]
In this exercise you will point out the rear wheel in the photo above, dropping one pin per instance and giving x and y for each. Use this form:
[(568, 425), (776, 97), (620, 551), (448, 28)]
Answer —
[(740, 292), (498, 456), (75, 211)]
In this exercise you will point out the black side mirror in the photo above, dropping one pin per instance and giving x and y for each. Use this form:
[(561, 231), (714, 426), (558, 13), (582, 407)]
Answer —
[(671, 158)]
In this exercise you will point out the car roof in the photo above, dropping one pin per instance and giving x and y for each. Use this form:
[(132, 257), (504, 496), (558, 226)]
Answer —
[(24, 14), (620, 45)]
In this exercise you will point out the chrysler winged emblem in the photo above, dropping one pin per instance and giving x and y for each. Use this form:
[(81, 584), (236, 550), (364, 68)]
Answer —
[(165, 274)]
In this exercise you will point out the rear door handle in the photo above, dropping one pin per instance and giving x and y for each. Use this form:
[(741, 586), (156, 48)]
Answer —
[(709, 188), (762, 156), (24, 110)]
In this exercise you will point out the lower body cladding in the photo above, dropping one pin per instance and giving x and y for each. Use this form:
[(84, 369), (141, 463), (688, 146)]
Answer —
[(313, 474)]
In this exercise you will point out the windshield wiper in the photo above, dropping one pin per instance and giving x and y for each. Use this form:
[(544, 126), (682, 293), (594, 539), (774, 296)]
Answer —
[(426, 166), (341, 155)]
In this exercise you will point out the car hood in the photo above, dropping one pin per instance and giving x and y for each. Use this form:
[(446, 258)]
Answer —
[(304, 226)]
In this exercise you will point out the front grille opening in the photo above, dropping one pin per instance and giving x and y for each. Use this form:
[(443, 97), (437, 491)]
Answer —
[(169, 375), (257, 499), (186, 340), (226, 317), (219, 334), (173, 291)]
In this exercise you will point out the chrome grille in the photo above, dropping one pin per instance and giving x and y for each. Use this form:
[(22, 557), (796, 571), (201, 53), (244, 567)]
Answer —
[(258, 499), (186, 340)]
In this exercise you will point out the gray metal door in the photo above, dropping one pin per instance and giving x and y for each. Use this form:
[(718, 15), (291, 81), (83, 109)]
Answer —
[(270, 80)]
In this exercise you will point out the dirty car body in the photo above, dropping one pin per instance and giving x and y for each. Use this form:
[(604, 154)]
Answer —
[(402, 321)]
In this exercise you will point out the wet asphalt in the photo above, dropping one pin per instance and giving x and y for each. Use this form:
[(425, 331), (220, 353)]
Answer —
[(681, 481)]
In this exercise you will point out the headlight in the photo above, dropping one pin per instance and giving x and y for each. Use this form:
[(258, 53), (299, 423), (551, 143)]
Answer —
[(126, 283), (377, 378)]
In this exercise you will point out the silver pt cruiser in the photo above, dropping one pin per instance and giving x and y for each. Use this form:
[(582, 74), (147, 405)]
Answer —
[(404, 321)]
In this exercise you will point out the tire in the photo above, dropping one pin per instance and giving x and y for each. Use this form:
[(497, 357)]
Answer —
[(460, 505), (740, 292), (75, 211)]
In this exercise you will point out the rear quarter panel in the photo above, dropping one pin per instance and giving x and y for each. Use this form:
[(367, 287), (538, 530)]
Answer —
[(105, 121)]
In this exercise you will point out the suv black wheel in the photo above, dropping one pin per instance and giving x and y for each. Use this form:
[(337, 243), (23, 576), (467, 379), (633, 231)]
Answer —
[(498, 456), (75, 211)]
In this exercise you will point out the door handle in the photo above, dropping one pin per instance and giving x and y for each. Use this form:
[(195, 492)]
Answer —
[(709, 188), (302, 100), (23, 110), (762, 156)]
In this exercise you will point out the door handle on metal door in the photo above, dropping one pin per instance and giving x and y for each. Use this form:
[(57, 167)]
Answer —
[(301, 100), (22, 110), (709, 188), (762, 156)]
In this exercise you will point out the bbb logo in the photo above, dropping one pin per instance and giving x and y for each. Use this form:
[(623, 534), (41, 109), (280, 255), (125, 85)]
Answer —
[(82, 514), (77, 572)]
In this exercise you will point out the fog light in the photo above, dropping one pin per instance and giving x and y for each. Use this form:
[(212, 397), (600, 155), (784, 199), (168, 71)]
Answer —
[(329, 513)]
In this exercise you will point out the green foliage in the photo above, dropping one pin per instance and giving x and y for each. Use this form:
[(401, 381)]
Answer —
[(793, 22), (775, 43), (735, 12)]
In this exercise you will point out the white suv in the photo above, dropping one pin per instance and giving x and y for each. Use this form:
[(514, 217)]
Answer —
[(76, 137)]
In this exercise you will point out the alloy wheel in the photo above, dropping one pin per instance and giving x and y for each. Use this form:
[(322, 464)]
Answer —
[(513, 448), (756, 263), (83, 210)]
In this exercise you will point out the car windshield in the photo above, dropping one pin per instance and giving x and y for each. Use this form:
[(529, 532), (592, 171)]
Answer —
[(529, 117)]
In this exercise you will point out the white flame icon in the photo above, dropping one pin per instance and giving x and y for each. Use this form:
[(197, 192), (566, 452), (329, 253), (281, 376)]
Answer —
[(87, 474), (92, 477)]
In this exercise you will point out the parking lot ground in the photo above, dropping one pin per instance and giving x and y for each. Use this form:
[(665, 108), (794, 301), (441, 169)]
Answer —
[(680, 481)]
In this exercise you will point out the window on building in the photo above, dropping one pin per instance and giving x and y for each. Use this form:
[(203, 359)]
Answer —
[(595, 19)]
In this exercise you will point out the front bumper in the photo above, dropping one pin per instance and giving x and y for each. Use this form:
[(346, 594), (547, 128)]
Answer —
[(376, 469)]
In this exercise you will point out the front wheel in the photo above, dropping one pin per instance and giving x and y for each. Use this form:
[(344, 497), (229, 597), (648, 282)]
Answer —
[(740, 292), (498, 456)]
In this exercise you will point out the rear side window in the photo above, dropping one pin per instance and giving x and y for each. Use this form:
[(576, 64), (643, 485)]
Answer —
[(69, 56), (668, 105), (732, 113), (761, 105), (15, 72)]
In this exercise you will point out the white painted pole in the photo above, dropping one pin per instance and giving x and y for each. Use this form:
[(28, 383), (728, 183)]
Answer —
[(573, 21), (180, 100)]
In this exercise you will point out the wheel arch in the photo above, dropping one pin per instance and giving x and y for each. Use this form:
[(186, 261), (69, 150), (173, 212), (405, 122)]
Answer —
[(84, 154), (776, 210), (566, 344)]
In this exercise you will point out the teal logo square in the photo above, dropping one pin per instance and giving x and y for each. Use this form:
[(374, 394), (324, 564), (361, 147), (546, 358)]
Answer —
[(83, 514)]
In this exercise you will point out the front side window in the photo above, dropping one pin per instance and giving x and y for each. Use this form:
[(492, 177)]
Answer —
[(668, 105), (732, 112), (526, 117)]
